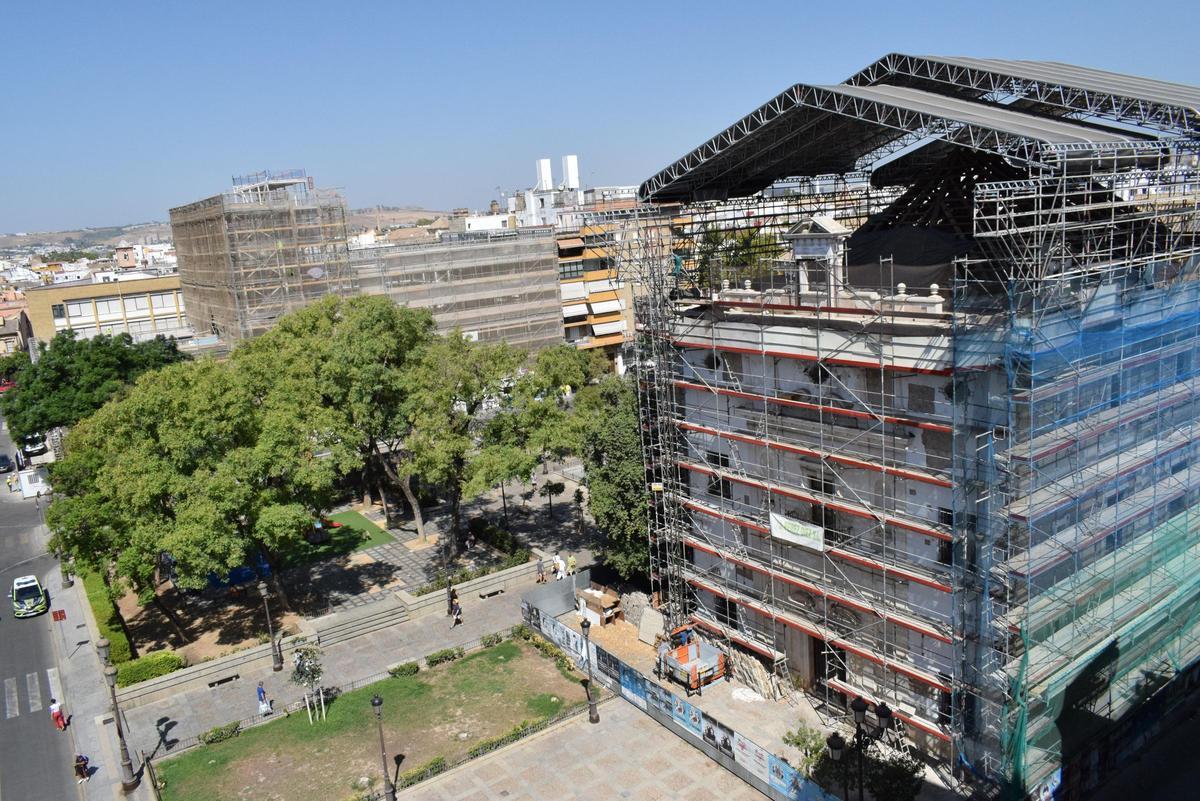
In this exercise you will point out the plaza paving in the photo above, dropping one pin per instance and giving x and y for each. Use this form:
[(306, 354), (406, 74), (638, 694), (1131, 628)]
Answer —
[(626, 755)]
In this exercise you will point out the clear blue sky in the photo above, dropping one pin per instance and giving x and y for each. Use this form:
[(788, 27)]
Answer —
[(112, 112)]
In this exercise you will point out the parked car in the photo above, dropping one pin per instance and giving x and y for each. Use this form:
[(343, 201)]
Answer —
[(5, 386), (28, 597), (6, 464), (35, 445)]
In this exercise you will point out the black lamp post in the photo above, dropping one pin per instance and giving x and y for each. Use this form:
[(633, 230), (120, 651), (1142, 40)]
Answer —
[(129, 780), (276, 652), (861, 737), (389, 789), (593, 713), (837, 747)]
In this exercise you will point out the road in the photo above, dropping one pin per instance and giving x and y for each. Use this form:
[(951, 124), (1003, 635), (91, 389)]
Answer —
[(35, 759)]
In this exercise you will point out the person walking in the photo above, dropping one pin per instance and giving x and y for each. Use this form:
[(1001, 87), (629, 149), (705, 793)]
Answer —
[(541, 572), (56, 714), (8, 481), (82, 774), (456, 614), (560, 569), (264, 706), (571, 565)]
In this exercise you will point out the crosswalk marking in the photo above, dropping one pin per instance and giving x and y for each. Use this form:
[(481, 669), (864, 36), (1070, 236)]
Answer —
[(55, 687), (11, 707), (34, 688)]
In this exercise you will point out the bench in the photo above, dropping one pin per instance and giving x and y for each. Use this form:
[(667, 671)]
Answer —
[(226, 680), (488, 593)]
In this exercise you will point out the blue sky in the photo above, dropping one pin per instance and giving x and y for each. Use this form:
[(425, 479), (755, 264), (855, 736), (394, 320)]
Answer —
[(111, 113)]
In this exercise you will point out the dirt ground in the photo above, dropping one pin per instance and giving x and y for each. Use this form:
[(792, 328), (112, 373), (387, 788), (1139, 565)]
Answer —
[(216, 626)]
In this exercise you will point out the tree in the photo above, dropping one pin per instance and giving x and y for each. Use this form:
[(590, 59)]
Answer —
[(615, 475), (74, 377), (548, 491), (13, 363), (894, 776), (307, 672), (811, 745), (451, 382)]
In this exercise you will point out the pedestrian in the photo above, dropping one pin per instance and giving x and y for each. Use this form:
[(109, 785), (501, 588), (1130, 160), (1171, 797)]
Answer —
[(560, 568), (8, 480), (82, 774), (571, 565), (456, 614), (541, 572), (264, 706), (56, 714)]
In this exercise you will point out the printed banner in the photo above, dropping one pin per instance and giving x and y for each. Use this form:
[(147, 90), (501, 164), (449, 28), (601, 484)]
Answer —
[(689, 717), (795, 787), (608, 664), (751, 757), (798, 532), (633, 687), (660, 698), (565, 638), (718, 735)]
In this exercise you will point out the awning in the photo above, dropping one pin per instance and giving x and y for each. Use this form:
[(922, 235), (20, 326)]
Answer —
[(606, 285), (575, 310), (570, 244), (607, 306), (576, 290), (600, 329)]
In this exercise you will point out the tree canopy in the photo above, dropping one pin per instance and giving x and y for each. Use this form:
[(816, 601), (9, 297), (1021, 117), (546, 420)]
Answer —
[(616, 477), (74, 377)]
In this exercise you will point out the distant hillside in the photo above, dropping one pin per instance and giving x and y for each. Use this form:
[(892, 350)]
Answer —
[(83, 238)]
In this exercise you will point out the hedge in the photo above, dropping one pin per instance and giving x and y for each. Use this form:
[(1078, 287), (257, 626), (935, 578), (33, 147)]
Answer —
[(221, 733), (500, 539), (491, 640), (422, 772), (404, 669), (514, 559), (150, 666), (444, 655), (107, 619)]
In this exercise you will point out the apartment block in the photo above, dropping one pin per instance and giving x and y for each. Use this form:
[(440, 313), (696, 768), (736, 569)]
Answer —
[(597, 306), (143, 308)]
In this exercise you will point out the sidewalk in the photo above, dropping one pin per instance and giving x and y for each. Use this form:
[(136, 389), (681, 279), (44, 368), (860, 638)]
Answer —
[(85, 696), (158, 727)]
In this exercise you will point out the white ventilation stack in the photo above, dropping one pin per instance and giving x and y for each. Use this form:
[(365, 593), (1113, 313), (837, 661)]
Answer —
[(545, 180), (570, 171)]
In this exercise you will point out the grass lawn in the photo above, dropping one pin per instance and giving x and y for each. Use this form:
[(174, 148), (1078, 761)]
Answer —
[(356, 533), (442, 711)]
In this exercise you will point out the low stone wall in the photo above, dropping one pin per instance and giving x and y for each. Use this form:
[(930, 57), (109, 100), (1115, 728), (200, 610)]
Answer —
[(434, 603)]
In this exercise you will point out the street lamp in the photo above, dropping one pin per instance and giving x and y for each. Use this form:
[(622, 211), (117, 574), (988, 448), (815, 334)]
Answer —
[(861, 737), (129, 781), (389, 789), (102, 648), (837, 746), (593, 713), (276, 653)]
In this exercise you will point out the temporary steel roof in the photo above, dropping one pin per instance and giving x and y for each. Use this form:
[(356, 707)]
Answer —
[(902, 101)]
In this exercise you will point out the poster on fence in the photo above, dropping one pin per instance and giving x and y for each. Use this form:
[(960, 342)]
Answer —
[(566, 639), (751, 757), (688, 716), (608, 664), (633, 686), (660, 698), (795, 787), (718, 735)]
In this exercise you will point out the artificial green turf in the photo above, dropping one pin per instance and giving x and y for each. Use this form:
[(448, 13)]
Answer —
[(356, 533)]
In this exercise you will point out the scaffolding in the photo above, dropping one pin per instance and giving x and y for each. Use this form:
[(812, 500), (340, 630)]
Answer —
[(271, 245), (926, 430), (491, 286)]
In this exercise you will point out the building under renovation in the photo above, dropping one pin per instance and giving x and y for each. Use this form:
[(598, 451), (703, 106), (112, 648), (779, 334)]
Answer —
[(271, 245), (491, 286), (920, 378)]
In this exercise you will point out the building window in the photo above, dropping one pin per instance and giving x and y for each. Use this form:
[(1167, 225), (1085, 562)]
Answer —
[(570, 269), (945, 552), (58, 311), (718, 486), (946, 517)]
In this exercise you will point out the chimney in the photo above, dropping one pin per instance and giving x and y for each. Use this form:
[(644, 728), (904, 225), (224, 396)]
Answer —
[(544, 179), (570, 171)]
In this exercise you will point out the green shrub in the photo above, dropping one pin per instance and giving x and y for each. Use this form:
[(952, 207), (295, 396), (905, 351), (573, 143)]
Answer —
[(491, 640), (405, 669), (150, 666), (500, 539), (221, 733), (492, 743), (521, 632), (107, 619), (444, 655), (421, 772)]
